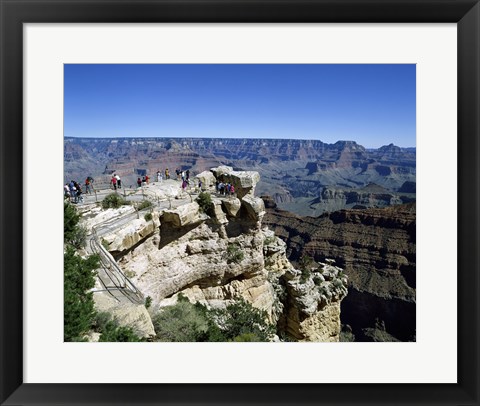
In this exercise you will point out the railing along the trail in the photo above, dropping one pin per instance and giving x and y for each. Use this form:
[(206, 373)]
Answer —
[(114, 273), (120, 281)]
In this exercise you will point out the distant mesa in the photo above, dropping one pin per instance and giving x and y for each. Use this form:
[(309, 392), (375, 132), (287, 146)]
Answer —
[(293, 172), (408, 187)]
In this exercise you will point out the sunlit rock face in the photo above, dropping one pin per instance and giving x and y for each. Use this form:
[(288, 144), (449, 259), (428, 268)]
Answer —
[(377, 250), (217, 254)]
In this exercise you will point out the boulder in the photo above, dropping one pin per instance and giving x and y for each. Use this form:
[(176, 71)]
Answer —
[(131, 234), (207, 178), (244, 182), (220, 171), (217, 213), (181, 216), (232, 206), (254, 206), (126, 314)]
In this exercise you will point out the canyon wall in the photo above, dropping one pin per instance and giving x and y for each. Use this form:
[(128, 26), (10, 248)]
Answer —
[(377, 249), (294, 172), (217, 252)]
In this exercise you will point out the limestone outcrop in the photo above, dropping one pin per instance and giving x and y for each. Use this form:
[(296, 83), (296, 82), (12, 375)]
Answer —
[(314, 295), (207, 178), (377, 250), (126, 314), (232, 206), (254, 206), (243, 181), (130, 234), (218, 251), (182, 216)]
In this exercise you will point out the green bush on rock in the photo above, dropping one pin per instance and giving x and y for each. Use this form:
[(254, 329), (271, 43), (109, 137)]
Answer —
[(188, 322), (234, 254), (204, 200), (114, 201)]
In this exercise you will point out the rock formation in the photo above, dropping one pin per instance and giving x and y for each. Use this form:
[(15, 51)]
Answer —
[(216, 254), (313, 308), (293, 172), (376, 247)]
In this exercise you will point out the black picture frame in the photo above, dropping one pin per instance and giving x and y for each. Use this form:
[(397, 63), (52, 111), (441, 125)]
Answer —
[(465, 13)]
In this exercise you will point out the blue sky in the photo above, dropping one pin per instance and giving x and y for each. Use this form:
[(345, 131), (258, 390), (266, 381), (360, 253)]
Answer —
[(373, 105)]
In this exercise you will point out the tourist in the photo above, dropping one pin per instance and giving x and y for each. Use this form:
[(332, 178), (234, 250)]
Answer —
[(187, 174), (71, 186), (232, 190), (119, 181), (147, 179), (87, 186), (167, 174), (78, 195), (159, 176), (113, 182), (66, 192), (139, 182)]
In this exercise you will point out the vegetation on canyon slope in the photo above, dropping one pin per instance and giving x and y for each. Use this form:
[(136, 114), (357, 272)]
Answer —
[(188, 322), (79, 315), (184, 321)]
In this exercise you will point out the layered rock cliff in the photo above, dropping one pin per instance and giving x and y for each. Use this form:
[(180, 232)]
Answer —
[(217, 252), (291, 169), (376, 247)]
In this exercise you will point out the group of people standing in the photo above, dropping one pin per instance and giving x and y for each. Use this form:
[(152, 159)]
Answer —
[(226, 189), (116, 182), (73, 191), (144, 180)]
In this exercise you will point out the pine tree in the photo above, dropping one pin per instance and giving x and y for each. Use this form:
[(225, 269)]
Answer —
[(70, 222), (79, 278)]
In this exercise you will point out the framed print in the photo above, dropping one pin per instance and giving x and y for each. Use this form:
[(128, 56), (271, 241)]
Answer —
[(64, 68)]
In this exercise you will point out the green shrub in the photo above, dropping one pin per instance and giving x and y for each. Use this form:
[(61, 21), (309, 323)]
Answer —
[(148, 217), (112, 332), (306, 262), (105, 244), (148, 302), (246, 338), (144, 205), (114, 201), (101, 320), (70, 222), (78, 237), (182, 322), (79, 278), (234, 254), (204, 200), (269, 240), (317, 281), (240, 319), (305, 276), (188, 322), (129, 274)]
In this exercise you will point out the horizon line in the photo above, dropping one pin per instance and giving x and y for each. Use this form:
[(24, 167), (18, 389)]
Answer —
[(233, 138)]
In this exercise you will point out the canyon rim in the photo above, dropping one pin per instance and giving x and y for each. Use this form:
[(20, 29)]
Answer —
[(187, 235)]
